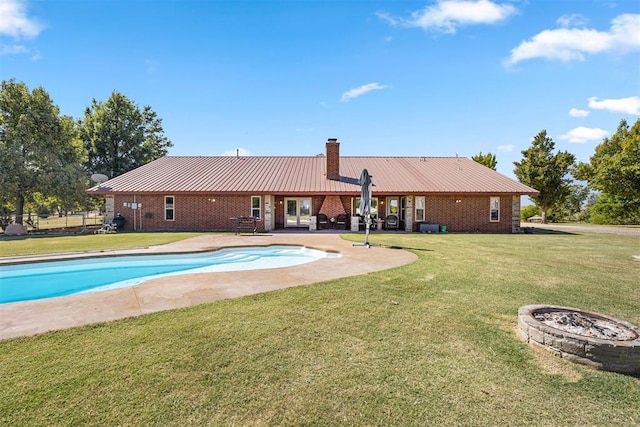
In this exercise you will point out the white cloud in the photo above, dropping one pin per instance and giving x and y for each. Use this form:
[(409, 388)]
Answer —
[(629, 105), (573, 20), (359, 91), (13, 49), (506, 148), (574, 112), (568, 44), (14, 21), (582, 134), (447, 15), (236, 152)]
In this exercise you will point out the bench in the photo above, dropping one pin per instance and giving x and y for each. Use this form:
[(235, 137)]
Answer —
[(246, 223)]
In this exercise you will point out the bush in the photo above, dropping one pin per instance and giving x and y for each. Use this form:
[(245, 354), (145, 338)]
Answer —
[(44, 211), (529, 211), (613, 210)]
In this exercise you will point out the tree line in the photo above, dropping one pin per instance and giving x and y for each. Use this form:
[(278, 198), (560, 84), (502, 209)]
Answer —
[(47, 158), (606, 190)]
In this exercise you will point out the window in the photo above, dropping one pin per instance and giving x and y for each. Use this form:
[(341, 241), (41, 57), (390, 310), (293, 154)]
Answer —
[(374, 206), (169, 208), (255, 206), (420, 215), (494, 205), (393, 206)]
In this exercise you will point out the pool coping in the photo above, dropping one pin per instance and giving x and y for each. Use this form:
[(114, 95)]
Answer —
[(27, 318)]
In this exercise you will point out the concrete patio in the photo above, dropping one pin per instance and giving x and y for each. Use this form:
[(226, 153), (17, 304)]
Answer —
[(32, 317)]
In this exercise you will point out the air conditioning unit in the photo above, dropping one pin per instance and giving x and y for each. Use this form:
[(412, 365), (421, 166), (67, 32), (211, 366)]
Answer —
[(429, 228)]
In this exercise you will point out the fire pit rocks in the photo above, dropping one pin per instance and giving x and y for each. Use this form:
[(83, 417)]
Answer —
[(592, 339)]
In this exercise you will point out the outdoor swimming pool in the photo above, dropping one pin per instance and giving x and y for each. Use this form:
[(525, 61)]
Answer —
[(30, 281)]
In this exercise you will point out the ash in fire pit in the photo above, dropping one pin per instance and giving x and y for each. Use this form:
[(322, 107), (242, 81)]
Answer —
[(581, 324), (588, 338)]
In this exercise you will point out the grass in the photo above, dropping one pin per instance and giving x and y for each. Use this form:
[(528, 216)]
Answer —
[(38, 245), (430, 343)]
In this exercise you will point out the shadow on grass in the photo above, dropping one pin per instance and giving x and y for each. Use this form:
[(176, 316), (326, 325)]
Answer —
[(409, 248), (540, 230), (21, 237)]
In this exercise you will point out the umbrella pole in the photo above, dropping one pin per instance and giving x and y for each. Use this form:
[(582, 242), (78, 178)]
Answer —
[(367, 227)]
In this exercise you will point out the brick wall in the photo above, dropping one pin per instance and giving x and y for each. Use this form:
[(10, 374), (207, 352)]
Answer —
[(467, 214), (190, 212), (332, 206), (470, 214)]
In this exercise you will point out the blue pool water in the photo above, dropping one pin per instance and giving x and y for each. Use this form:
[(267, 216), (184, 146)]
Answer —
[(30, 281)]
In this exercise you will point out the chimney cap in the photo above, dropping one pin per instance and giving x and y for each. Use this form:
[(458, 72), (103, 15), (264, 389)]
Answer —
[(332, 140)]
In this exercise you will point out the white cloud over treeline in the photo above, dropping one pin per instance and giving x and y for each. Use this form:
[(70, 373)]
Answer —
[(630, 105), (583, 134)]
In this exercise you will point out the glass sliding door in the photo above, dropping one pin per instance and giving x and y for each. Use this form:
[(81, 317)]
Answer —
[(298, 212)]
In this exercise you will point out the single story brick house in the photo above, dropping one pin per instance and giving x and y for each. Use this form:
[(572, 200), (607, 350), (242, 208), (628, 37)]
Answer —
[(416, 194)]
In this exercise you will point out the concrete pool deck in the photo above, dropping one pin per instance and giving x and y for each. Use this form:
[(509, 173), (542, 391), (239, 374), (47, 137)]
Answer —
[(33, 317)]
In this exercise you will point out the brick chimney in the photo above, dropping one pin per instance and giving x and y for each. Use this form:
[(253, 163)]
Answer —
[(333, 159)]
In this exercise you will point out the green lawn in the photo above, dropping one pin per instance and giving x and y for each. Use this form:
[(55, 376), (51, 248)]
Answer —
[(37, 245), (430, 343)]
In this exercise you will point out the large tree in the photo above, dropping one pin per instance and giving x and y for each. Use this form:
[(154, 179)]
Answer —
[(545, 171), (614, 168), (489, 160), (36, 146), (119, 137), (71, 194)]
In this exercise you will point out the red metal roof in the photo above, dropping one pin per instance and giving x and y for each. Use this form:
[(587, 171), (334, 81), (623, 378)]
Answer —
[(307, 175)]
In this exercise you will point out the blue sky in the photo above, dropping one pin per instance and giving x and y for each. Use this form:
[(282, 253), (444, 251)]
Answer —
[(387, 78)]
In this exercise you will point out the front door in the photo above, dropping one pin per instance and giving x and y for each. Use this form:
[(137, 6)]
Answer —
[(298, 213), (393, 206)]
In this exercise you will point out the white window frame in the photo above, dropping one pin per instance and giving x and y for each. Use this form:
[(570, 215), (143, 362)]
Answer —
[(170, 208), (254, 209), (420, 212), (494, 208), (374, 206)]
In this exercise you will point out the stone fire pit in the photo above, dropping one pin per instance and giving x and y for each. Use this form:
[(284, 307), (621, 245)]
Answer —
[(592, 339)]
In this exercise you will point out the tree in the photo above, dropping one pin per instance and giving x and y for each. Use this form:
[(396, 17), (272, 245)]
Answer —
[(489, 160), (609, 209), (119, 137), (73, 180), (546, 172), (35, 146), (574, 204), (614, 169)]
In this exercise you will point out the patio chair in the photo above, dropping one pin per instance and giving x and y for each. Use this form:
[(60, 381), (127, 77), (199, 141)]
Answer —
[(323, 221), (341, 222), (391, 222)]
